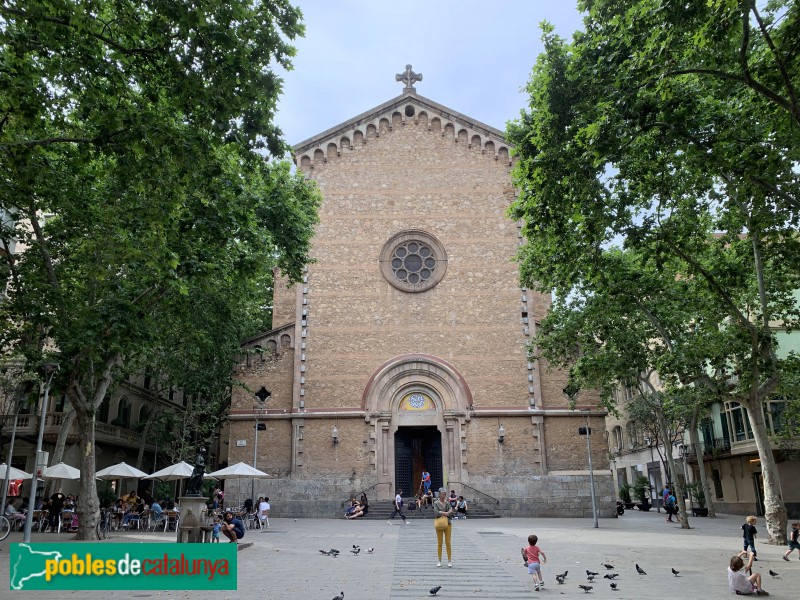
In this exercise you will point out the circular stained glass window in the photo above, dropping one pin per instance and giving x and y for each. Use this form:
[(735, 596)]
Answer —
[(413, 261), (409, 265)]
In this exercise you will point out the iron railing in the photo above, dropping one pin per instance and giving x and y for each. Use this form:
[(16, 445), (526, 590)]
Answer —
[(712, 447)]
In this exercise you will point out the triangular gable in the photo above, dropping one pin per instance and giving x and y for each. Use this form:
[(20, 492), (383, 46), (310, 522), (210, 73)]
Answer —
[(407, 106)]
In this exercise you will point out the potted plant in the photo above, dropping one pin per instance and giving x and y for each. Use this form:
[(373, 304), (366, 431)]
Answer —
[(695, 490), (625, 495), (641, 490)]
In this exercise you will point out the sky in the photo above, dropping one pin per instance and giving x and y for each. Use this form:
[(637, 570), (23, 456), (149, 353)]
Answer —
[(475, 57)]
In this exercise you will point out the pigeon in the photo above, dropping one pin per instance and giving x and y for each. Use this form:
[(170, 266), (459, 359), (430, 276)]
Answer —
[(325, 552), (609, 567), (334, 551), (559, 579), (585, 588), (773, 573), (356, 551), (355, 547), (339, 597), (590, 577), (435, 590), (563, 575), (610, 575), (370, 550), (640, 570), (676, 573), (592, 573), (613, 586)]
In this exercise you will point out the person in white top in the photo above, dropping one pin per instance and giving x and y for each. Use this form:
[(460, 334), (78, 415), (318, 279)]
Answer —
[(263, 512)]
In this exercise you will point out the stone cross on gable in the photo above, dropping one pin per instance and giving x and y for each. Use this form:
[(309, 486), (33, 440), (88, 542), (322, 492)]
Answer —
[(408, 77)]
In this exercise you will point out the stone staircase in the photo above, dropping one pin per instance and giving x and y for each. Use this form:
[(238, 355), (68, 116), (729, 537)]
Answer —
[(382, 510)]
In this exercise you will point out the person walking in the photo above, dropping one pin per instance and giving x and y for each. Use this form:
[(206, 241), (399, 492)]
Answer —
[(398, 508), (794, 543), (749, 532), (442, 521)]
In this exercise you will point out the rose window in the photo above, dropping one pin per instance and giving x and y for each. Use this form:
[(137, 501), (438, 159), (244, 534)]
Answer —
[(413, 262)]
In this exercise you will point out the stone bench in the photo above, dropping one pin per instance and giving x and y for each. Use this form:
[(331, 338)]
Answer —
[(203, 532)]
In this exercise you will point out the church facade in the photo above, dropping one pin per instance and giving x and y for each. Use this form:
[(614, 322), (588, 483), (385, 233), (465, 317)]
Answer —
[(404, 347)]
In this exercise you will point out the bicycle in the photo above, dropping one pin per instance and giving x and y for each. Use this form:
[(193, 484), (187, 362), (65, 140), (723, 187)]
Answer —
[(5, 527), (104, 524)]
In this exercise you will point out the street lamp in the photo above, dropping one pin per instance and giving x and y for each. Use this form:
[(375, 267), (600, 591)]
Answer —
[(649, 442), (262, 396), (50, 369), (682, 454), (588, 432)]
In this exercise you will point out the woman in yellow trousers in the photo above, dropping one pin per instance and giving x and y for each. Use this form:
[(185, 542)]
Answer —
[(443, 510)]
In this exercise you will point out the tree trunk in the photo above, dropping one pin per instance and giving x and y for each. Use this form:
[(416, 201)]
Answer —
[(682, 516), (88, 503), (58, 451), (143, 442), (774, 508), (694, 437)]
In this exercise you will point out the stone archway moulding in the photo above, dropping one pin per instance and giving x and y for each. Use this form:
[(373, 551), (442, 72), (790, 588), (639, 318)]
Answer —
[(448, 383)]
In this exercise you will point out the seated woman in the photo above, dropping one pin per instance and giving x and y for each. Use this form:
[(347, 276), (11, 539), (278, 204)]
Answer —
[(738, 580), (428, 497), (461, 508), (354, 511), (364, 504)]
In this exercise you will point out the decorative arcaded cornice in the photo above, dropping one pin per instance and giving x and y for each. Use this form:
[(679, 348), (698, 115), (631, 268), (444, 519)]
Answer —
[(409, 106)]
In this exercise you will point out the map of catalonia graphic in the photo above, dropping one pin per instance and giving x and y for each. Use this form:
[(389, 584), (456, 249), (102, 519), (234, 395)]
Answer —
[(30, 564)]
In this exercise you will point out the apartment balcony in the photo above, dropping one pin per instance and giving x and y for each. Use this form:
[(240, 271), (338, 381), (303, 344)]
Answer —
[(715, 447), (112, 435)]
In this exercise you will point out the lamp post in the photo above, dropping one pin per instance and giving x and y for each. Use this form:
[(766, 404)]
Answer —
[(649, 442), (50, 369), (682, 454), (591, 471), (262, 396)]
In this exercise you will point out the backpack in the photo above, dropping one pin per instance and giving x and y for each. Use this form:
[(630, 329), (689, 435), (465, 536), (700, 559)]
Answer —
[(670, 502)]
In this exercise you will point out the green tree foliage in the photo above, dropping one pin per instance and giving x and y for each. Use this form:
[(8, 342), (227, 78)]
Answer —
[(141, 163), (672, 128)]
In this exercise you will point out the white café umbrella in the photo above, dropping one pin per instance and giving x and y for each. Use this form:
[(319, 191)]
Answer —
[(13, 473), (238, 471), (61, 471), (181, 470), (120, 471)]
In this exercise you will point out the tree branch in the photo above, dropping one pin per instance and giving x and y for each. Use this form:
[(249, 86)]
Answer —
[(66, 23), (752, 84), (42, 243), (787, 80)]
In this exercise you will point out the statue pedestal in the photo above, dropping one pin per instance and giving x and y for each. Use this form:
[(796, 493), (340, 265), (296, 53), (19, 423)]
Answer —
[(191, 519)]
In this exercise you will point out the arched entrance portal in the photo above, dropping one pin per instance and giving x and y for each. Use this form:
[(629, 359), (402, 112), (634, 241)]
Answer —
[(418, 408)]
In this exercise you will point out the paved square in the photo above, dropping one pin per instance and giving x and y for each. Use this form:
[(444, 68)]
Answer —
[(285, 562)]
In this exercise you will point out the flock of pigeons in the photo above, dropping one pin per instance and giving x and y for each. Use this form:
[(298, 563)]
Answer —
[(560, 578), (590, 575)]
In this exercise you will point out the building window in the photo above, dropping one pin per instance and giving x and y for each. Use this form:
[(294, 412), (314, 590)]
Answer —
[(617, 440), (738, 423), (717, 483), (413, 261), (123, 414), (102, 414), (775, 410)]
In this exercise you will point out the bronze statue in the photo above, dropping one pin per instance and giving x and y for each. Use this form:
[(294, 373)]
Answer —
[(195, 485)]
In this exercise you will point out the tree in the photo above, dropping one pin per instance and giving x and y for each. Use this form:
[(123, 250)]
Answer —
[(135, 145), (672, 128)]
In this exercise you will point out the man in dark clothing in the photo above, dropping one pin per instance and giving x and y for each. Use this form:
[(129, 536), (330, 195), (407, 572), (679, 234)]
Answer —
[(232, 528), (56, 504)]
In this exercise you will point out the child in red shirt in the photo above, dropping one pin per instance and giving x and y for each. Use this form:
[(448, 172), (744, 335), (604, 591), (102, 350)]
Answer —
[(535, 558)]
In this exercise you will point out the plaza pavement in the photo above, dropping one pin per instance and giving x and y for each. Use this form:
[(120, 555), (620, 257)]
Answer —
[(284, 562)]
